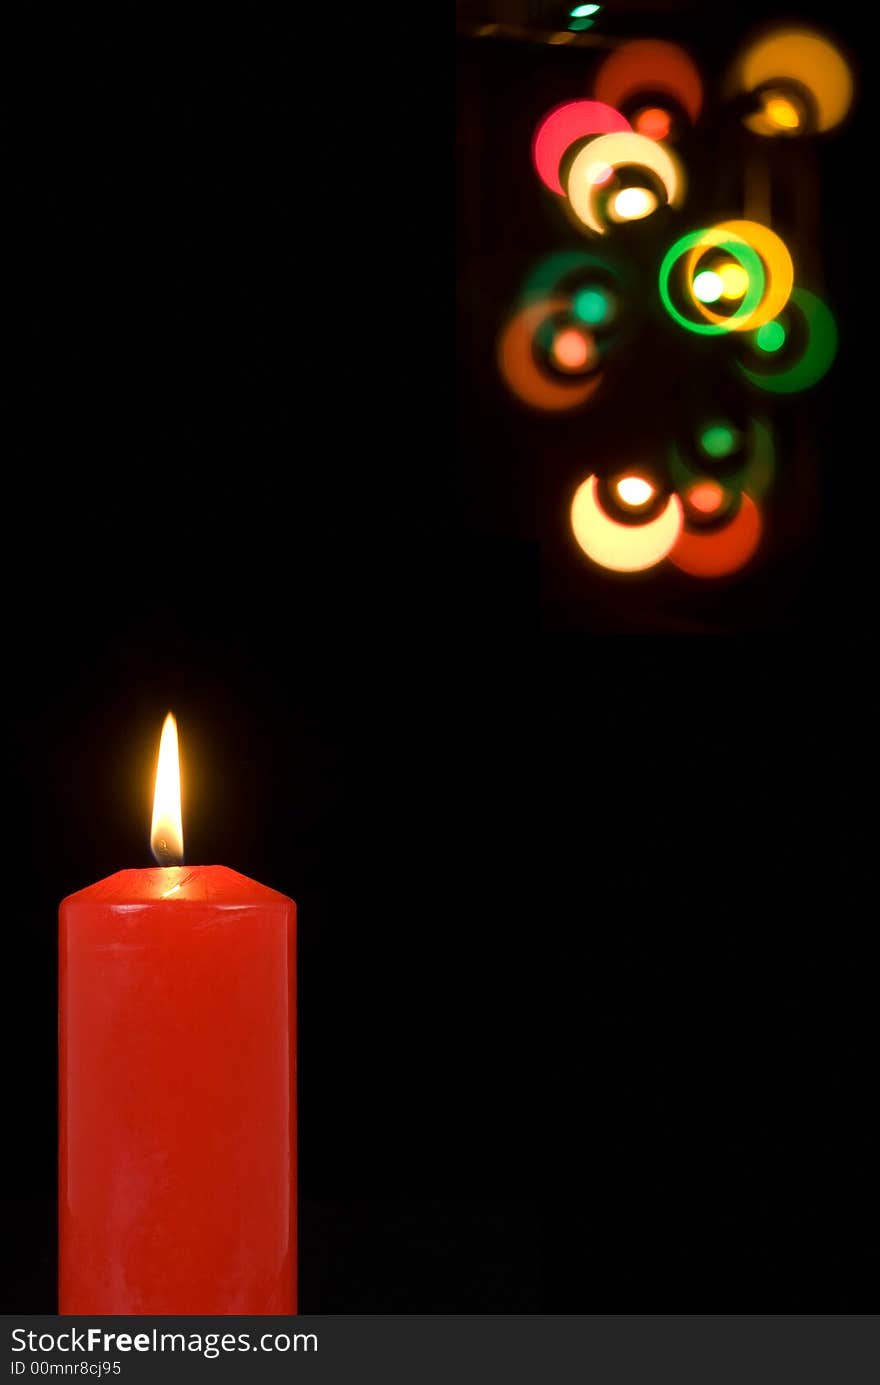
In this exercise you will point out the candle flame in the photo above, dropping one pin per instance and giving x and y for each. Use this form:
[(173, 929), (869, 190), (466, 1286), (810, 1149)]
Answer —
[(166, 834)]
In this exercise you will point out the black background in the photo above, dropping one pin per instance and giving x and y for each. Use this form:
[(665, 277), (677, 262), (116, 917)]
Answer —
[(586, 958)]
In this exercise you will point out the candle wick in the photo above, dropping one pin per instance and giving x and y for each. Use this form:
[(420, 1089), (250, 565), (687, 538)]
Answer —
[(164, 855)]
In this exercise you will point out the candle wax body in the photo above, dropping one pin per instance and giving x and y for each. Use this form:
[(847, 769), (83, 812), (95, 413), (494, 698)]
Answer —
[(177, 1095)]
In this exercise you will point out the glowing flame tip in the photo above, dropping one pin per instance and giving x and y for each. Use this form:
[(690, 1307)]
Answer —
[(166, 833)]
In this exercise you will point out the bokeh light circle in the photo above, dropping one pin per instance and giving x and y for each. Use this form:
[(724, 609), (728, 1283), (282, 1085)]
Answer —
[(719, 440), (770, 336), (653, 122), (558, 131), (595, 306), (632, 204), (650, 65), (754, 474), (778, 272), (693, 243), (634, 491), (719, 552), (734, 280), (623, 547), (706, 497), (573, 350), (708, 286), (819, 350), (782, 113), (801, 56), (548, 275), (521, 371), (615, 151)]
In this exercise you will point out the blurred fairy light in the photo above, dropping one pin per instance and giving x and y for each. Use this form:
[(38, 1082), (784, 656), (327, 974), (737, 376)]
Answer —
[(634, 491), (784, 67), (632, 204), (608, 160), (818, 332), (565, 126), (708, 286), (753, 457), (653, 122), (761, 264), (593, 306), (523, 372), (655, 67), (616, 150), (571, 350), (770, 337), (782, 113), (718, 440), (718, 552), (623, 547), (734, 280), (582, 17), (706, 497)]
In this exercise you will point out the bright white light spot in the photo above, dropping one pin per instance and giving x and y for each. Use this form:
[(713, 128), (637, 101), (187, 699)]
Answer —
[(708, 286), (634, 490), (631, 204)]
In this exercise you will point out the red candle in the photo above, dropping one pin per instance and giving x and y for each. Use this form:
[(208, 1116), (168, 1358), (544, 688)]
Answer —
[(177, 1102)]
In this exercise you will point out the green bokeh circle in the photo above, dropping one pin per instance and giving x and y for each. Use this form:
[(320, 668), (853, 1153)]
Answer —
[(755, 476), (748, 258), (819, 352)]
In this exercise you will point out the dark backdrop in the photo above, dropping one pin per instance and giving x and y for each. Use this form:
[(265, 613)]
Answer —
[(585, 1013)]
